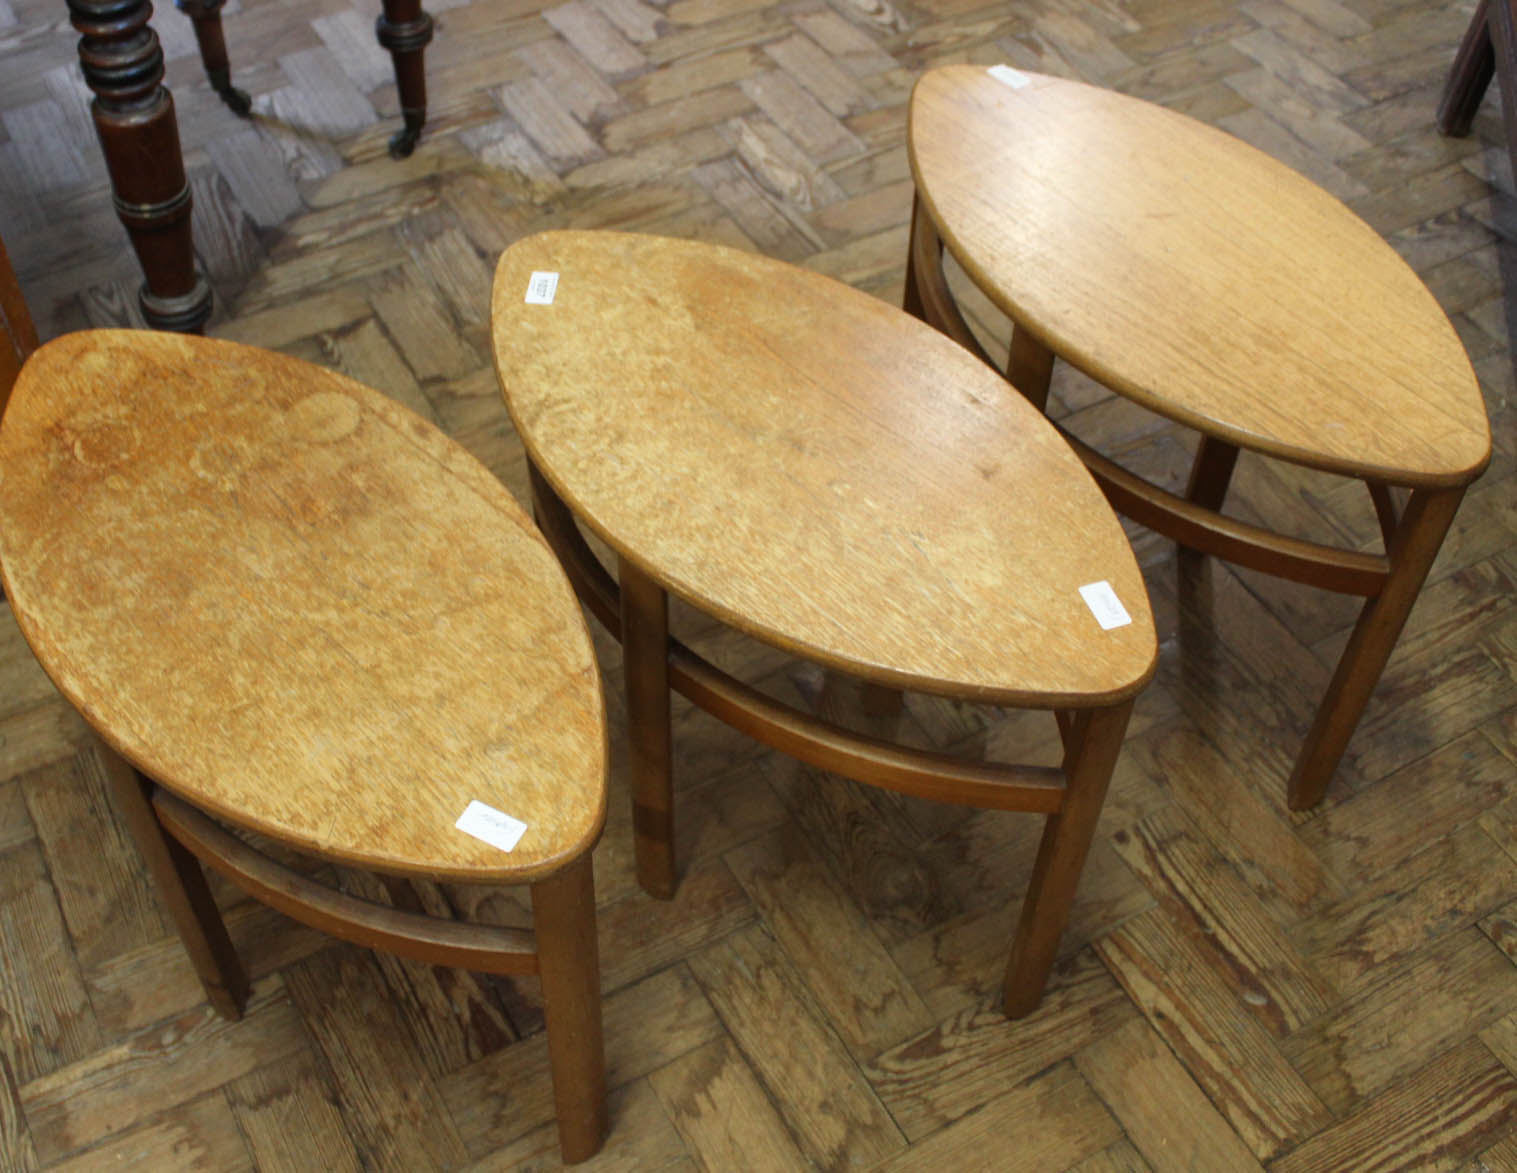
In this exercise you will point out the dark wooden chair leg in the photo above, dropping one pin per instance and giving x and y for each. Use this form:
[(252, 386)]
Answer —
[(206, 17), (645, 660), (1474, 66), (405, 30), (1095, 740), (563, 908), (181, 886), (1417, 541), (1211, 473), (134, 116)]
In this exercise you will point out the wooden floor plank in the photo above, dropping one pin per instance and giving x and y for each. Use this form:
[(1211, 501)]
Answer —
[(1324, 986), (156, 1069), (1057, 1120), (289, 1119), (1444, 1113), (1168, 1117), (393, 1110), (821, 1096)]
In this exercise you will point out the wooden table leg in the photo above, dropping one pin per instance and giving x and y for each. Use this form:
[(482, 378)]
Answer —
[(911, 297), (405, 30), (1212, 472), (645, 660), (134, 117), (1095, 741), (563, 909), (1029, 367), (1417, 541), (206, 17), (181, 886)]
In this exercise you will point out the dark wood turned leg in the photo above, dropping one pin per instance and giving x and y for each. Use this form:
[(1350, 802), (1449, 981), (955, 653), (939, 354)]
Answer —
[(134, 117), (1029, 367), (1474, 66), (1095, 740), (645, 659), (1211, 473), (405, 30), (181, 887), (563, 909), (206, 16), (1417, 540)]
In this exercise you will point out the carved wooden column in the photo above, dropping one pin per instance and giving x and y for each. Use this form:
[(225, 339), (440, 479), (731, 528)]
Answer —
[(134, 117)]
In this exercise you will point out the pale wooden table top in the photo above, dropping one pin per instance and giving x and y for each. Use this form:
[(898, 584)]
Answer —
[(1196, 276), (816, 468), (297, 604)]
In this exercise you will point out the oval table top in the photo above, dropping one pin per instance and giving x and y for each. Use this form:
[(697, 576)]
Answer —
[(298, 605), (817, 469), (1195, 275)]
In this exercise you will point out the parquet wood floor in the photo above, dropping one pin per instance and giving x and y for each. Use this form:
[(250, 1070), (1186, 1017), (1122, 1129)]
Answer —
[(1241, 986)]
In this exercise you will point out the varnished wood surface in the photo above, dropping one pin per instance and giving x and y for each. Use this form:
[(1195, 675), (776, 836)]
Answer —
[(297, 605), (1194, 274), (817, 469), (1331, 990)]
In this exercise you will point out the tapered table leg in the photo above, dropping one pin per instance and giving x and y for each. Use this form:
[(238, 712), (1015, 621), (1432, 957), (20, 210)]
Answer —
[(1095, 740), (181, 886), (1029, 367), (1212, 472), (134, 117), (206, 16), (911, 298), (405, 30), (563, 910), (1417, 540), (645, 660)]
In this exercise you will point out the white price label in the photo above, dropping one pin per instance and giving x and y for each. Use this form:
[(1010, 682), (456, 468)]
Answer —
[(1105, 605), (541, 288), (496, 828), (1009, 76)]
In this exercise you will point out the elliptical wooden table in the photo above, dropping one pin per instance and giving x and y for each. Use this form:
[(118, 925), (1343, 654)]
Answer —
[(1214, 286), (825, 474), (300, 610)]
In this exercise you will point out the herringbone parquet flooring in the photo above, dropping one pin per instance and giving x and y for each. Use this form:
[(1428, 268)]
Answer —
[(1241, 986)]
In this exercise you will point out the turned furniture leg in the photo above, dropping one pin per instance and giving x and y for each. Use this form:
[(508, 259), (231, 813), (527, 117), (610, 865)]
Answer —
[(1474, 66), (206, 17), (1211, 473), (645, 660), (405, 30), (563, 910), (1416, 543), (181, 886), (1029, 367), (134, 117), (1095, 740)]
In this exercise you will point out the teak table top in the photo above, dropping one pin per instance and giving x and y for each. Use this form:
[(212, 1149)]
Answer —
[(817, 469), (1195, 275), (298, 605)]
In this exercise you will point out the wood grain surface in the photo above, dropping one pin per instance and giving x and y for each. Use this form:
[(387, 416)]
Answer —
[(1195, 275), (817, 469), (297, 604), (1157, 1031)]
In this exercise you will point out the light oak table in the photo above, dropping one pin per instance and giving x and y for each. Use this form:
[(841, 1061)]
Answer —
[(1208, 283), (288, 606), (825, 474)]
